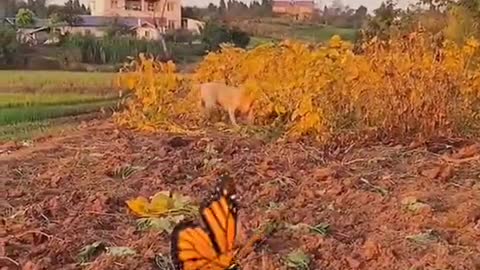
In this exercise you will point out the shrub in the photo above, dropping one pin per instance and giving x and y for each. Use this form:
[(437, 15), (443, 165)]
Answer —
[(396, 89), (155, 86), (240, 38), (24, 17), (8, 44), (180, 35), (214, 34), (111, 50)]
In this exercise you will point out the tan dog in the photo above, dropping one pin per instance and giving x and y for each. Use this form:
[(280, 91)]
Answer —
[(229, 98)]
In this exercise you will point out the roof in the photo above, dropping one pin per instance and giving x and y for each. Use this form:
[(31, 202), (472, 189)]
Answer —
[(300, 3)]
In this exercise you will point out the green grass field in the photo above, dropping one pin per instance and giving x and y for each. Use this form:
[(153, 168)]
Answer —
[(276, 29), (29, 130), (322, 33), (255, 41), (15, 115), (31, 101), (11, 100), (56, 81)]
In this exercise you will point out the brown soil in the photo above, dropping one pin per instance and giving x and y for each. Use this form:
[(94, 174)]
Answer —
[(56, 197)]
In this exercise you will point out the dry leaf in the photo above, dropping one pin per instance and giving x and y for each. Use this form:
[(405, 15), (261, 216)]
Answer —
[(139, 206)]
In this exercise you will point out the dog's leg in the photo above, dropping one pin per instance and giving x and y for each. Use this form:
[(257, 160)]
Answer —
[(206, 111), (231, 114), (251, 117)]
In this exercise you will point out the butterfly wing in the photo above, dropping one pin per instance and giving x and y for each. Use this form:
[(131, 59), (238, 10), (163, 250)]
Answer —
[(220, 217), (194, 248)]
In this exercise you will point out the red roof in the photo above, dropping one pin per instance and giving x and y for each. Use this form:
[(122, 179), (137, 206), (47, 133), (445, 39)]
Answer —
[(301, 3)]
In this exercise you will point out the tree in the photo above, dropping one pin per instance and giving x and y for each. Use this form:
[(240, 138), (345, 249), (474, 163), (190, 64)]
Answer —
[(11, 8), (8, 44), (69, 13), (222, 8), (239, 38), (214, 34), (337, 6), (381, 24), (24, 17), (360, 16), (38, 7), (116, 28), (437, 4), (161, 25), (212, 8), (76, 5), (266, 8), (54, 9)]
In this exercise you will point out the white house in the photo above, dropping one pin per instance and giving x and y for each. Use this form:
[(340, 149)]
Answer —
[(195, 26)]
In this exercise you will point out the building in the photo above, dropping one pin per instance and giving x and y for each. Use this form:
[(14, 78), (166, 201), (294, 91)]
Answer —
[(167, 12), (99, 25), (192, 25), (298, 9), (139, 18)]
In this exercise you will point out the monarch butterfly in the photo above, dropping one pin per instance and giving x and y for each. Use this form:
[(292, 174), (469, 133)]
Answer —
[(210, 247)]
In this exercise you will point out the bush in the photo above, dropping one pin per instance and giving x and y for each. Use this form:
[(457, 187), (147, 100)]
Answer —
[(240, 38), (395, 89), (155, 86), (214, 34), (24, 17), (181, 35), (111, 50), (8, 44)]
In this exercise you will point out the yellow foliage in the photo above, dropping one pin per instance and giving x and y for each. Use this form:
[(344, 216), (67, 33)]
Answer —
[(400, 87), (157, 88), (161, 204)]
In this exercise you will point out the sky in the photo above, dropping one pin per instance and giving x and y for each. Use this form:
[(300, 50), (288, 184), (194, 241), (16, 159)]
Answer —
[(370, 4)]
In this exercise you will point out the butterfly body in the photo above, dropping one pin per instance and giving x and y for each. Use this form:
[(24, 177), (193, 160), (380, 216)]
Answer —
[(211, 246)]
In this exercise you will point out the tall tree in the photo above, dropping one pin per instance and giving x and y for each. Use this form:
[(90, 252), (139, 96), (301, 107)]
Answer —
[(212, 8), (381, 24), (11, 8), (360, 16), (222, 8), (266, 7), (38, 7), (337, 6), (69, 13)]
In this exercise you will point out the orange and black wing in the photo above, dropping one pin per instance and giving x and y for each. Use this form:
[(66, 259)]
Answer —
[(220, 216), (195, 248), (192, 249)]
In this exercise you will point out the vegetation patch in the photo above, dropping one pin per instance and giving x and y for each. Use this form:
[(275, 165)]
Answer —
[(57, 81), (15, 115), (326, 92)]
